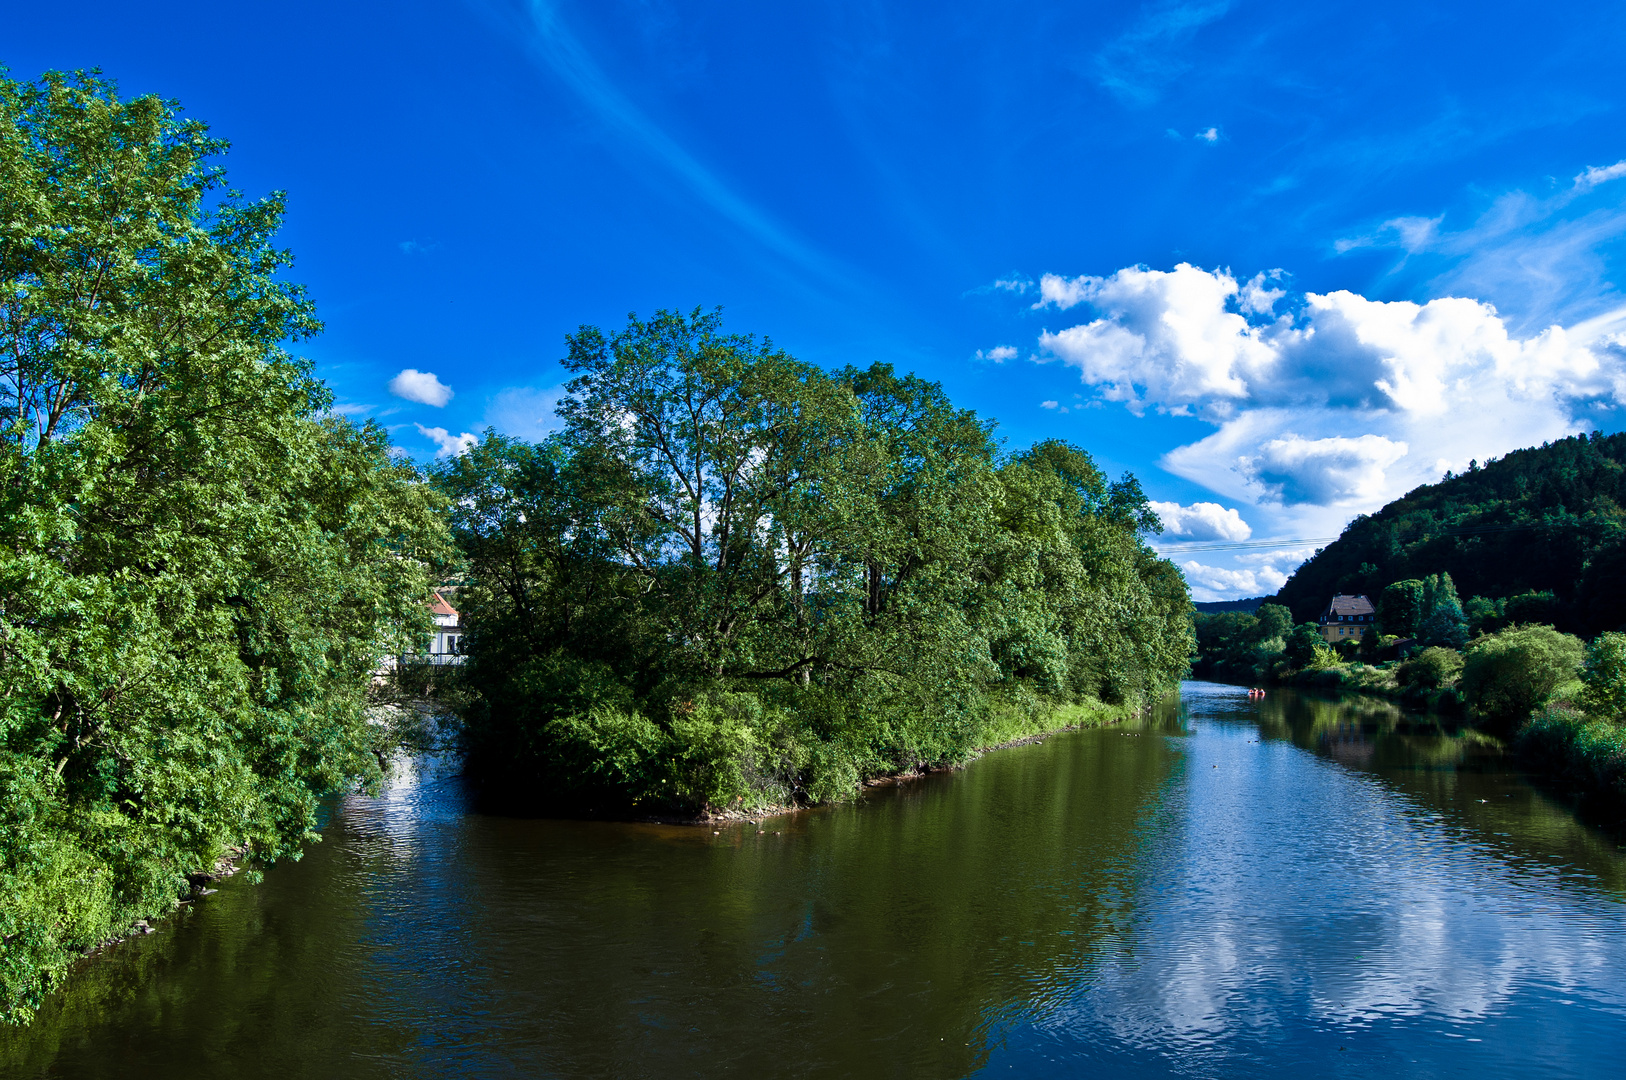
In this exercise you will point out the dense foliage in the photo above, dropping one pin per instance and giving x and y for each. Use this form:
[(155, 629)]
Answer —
[(735, 579), (1547, 521), (198, 567), (1509, 674)]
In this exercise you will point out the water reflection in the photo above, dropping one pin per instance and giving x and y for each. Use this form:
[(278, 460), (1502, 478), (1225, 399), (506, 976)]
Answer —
[(1228, 887)]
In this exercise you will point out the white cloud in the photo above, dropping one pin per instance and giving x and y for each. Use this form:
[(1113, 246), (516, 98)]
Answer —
[(1165, 338), (1201, 521), (1600, 174), (449, 445), (422, 387), (1048, 404), (1340, 402), (1255, 299), (1211, 135), (998, 354), (1210, 583), (525, 412), (1542, 257), (1336, 471), (1326, 405)]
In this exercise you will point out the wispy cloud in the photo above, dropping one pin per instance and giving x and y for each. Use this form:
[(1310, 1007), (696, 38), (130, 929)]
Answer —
[(1137, 65), (1600, 174), (564, 53), (998, 354), (1540, 259), (525, 412)]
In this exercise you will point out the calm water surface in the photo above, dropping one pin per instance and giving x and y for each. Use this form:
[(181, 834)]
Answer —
[(1226, 888)]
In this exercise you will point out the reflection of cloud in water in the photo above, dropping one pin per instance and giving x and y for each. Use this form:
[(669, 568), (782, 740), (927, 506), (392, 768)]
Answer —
[(1279, 889)]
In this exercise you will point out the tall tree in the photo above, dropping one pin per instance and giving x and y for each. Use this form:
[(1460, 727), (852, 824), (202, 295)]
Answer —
[(198, 566), (733, 573)]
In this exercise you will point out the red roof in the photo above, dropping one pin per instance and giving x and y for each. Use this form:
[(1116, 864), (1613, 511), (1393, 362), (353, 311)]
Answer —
[(441, 607)]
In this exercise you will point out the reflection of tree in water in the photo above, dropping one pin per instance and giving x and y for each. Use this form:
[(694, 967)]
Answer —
[(906, 936), (1445, 767), (896, 937)]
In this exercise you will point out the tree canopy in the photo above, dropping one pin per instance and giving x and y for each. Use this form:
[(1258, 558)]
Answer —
[(735, 577), (199, 566)]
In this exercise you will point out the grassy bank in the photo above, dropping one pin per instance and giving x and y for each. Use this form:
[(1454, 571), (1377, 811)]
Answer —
[(1583, 753)]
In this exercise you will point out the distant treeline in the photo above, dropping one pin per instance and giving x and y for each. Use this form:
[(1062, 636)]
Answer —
[(734, 579), (1550, 520)]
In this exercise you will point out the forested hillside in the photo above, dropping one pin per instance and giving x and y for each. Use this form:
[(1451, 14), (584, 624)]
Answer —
[(1546, 519)]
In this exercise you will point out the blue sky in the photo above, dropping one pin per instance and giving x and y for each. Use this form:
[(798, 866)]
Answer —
[(1283, 261)]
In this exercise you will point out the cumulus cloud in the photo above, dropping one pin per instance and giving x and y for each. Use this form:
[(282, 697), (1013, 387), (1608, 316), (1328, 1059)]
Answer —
[(1340, 401), (1164, 338), (420, 386), (1048, 404), (1257, 298), (1208, 135), (1337, 471), (1210, 583), (998, 354), (449, 445), (1201, 521)]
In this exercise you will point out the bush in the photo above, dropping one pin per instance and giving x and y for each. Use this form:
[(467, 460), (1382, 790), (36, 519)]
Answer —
[(1322, 657), (1431, 669), (1563, 742), (1508, 675), (1604, 676)]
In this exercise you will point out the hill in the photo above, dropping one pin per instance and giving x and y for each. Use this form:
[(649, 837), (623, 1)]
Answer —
[(1249, 605), (1545, 519)]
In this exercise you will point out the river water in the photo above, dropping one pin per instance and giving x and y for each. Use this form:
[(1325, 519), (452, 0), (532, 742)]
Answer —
[(1224, 888)]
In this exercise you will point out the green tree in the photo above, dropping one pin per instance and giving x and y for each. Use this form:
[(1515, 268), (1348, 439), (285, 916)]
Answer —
[(1485, 615), (1400, 608), (1603, 674), (1431, 668), (736, 576), (198, 566), (1443, 622), (1509, 674), (1302, 643)]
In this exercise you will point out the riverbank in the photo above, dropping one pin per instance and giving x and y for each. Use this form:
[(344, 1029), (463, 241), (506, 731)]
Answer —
[(1559, 745), (1579, 752), (1011, 727)]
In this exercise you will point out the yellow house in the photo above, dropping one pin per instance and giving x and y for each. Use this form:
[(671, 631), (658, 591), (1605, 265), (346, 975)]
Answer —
[(1347, 618)]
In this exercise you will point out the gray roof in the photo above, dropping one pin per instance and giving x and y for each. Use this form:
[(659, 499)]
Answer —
[(1348, 605)]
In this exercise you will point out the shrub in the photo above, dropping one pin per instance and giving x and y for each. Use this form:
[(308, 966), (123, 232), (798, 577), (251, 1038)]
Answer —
[(1322, 657), (1508, 675), (1431, 669), (1604, 676), (1562, 741)]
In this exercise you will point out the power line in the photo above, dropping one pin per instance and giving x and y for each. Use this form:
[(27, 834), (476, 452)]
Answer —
[(1259, 545), (1244, 545)]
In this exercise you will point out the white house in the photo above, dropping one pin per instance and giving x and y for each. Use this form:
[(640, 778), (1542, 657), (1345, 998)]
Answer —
[(447, 635)]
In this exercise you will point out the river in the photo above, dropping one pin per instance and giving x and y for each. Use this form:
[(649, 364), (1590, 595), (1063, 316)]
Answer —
[(1225, 887)]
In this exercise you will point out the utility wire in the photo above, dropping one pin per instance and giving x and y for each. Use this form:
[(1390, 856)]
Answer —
[(1259, 545)]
